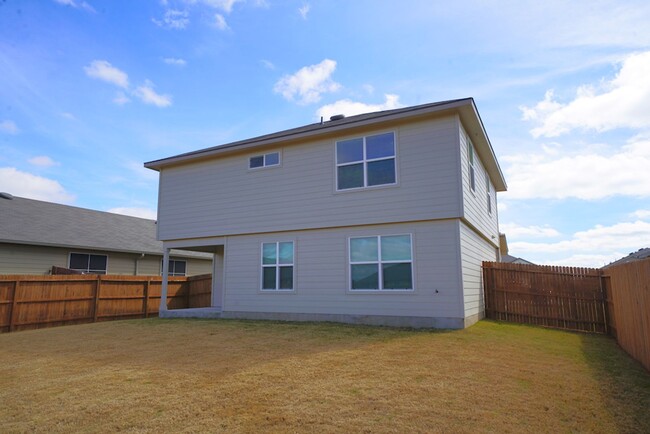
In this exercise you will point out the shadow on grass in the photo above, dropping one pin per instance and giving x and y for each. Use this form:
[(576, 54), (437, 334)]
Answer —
[(623, 382)]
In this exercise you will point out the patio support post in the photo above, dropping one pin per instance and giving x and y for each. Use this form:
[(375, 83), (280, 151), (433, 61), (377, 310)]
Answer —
[(165, 272)]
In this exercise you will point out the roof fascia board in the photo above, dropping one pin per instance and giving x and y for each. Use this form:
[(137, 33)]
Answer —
[(325, 130)]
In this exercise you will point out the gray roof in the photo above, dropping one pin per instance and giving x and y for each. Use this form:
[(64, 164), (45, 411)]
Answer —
[(465, 107), (33, 222), (514, 260), (634, 256)]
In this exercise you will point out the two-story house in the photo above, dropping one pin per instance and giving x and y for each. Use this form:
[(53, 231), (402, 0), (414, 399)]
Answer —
[(379, 218)]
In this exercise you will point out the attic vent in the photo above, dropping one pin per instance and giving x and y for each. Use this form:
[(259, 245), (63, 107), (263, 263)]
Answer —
[(336, 117), (6, 196)]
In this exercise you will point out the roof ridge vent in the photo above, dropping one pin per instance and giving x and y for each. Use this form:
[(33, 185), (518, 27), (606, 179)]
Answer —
[(337, 117), (4, 195)]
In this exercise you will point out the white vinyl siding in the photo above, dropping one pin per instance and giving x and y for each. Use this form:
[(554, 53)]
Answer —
[(475, 206), (200, 199), (322, 258), (474, 250)]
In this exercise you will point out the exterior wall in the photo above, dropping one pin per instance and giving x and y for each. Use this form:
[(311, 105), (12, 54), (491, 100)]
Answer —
[(475, 208), (26, 259), (223, 197), (474, 250), (321, 276)]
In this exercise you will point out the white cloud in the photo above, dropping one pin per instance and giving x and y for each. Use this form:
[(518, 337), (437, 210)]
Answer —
[(600, 244), (145, 213), (224, 5), (68, 116), (350, 108), (149, 96), (308, 83), (514, 231), (121, 98), (220, 22), (267, 64), (42, 161), (623, 102), (25, 184), (304, 10), (641, 214), (587, 175), (175, 61), (103, 70), (173, 19), (369, 88), (78, 5), (8, 127)]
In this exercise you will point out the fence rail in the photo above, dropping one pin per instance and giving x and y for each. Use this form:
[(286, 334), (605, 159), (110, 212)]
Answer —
[(28, 302)]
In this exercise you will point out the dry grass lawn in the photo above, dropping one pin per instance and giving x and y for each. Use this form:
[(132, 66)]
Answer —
[(244, 376)]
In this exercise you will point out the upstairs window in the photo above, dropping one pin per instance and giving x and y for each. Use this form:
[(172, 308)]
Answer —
[(90, 264), (365, 161), (382, 263), (176, 268), (266, 160), (488, 189), (277, 266), (470, 160)]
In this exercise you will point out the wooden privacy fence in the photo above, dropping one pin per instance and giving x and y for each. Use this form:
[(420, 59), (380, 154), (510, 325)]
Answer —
[(628, 289), (613, 300), (560, 297), (28, 302)]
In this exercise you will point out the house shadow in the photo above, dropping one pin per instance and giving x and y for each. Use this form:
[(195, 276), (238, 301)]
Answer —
[(624, 384)]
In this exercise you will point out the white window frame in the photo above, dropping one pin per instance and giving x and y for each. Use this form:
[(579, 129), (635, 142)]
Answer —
[(88, 270), (364, 162), (488, 189), (277, 266), (264, 158), (379, 263), (170, 272), (471, 157)]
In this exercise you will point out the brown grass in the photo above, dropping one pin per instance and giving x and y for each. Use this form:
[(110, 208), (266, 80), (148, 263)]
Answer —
[(242, 376)]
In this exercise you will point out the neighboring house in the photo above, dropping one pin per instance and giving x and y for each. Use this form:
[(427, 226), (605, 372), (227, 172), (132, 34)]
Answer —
[(632, 257), (505, 256), (36, 235), (380, 218)]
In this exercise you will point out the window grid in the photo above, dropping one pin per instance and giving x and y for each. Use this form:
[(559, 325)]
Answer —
[(380, 262), (365, 162), (264, 160), (470, 159), (278, 265)]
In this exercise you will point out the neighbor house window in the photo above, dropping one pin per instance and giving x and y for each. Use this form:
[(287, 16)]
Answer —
[(365, 161), (488, 189), (277, 266), (176, 268), (381, 263), (470, 159), (92, 264), (272, 159)]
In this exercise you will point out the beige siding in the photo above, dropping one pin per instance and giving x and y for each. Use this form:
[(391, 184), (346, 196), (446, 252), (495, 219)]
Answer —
[(321, 274), (475, 208), (25, 259), (474, 250), (223, 197)]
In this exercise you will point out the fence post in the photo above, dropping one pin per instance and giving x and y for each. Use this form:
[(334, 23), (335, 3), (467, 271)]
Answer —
[(145, 302), (604, 297), (98, 286), (12, 311)]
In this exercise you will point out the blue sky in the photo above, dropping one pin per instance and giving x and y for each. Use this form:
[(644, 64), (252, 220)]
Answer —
[(89, 90)]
